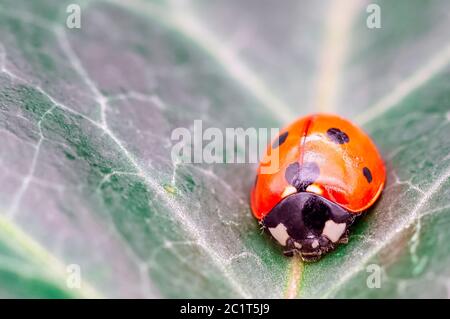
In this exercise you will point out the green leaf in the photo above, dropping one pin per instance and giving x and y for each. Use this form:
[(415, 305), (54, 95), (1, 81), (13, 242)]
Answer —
[(86, 117)]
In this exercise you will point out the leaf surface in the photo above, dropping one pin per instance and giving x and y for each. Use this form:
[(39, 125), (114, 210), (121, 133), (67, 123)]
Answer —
[(86, 117)]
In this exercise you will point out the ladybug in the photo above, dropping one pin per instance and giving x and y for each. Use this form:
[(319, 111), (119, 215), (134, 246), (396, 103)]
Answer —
[(328, 172)]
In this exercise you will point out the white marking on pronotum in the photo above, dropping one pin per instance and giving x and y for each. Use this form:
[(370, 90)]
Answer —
[(437, 63), (280, 233), (333, 230)]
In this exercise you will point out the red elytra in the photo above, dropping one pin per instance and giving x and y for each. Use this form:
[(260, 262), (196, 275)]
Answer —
[(350, 173)]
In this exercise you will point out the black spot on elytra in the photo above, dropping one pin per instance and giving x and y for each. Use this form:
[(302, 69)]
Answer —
[(301, 176), (291, 172), (367, 174), (337, 136), (280, 140)]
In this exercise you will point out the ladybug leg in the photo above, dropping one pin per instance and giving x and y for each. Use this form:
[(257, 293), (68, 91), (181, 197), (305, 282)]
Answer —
[(311, 256), (344, 238), (262, 227), (290, 248)]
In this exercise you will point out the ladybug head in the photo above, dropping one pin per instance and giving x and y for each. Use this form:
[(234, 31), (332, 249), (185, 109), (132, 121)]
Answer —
[(308, 224)]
